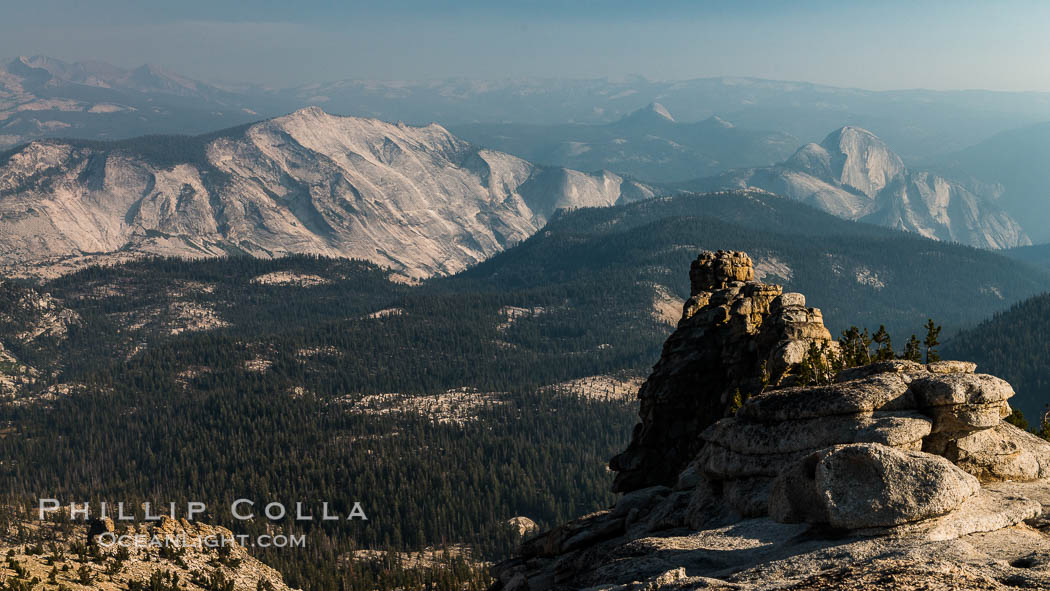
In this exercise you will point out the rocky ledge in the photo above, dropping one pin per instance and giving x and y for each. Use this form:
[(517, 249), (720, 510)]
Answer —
[(897, 474)]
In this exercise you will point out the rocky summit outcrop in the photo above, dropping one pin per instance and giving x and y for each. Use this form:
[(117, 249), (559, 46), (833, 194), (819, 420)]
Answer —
[(416, 199), (736, 337), (853, 174), (897, 474)]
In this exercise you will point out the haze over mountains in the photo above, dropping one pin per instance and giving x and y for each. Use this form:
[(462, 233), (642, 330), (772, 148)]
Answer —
[(853, 174), (649, 144), (188, 196), (416, 199), (1014, 165), (45, 97), (918, 123)]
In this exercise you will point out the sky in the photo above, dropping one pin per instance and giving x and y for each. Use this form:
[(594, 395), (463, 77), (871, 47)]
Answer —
[(880, 45)]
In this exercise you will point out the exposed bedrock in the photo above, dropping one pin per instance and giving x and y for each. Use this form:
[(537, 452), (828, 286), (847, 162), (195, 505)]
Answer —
[(895, 467)]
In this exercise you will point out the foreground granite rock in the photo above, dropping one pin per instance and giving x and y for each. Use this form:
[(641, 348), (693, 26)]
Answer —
[(867, 485), (896, 475)]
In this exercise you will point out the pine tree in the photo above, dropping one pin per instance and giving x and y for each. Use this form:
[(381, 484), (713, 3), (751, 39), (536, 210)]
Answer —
[(932, 332), (806, 373), (855, 346), (884, 351), (865, 341), (1044, 425), (912, 350), (818, 366)]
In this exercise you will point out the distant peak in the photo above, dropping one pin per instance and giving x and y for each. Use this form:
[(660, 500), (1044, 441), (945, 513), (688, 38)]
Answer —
[(311, 111), (849, 131), (651, 113), (855, 141), (40, 59), (858, 158), (35, 61), (32, 68), (660, 110), (314, 115), (716, 121)]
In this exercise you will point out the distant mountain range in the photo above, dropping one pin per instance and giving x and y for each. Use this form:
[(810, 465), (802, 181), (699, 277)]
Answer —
[(918, 123), (98, 101), (43, 97), (424, 201), (853, 174), (648, 144), (416, 199)]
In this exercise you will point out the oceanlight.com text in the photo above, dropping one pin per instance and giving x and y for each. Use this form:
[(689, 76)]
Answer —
[(110, 539)]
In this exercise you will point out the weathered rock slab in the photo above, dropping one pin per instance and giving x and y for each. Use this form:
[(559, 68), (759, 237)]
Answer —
[(884, 391), (723, 463), (896, 429), (988, 510), (943, 367), (1003, 452), (961, 388), (959, 419), (870, 485)]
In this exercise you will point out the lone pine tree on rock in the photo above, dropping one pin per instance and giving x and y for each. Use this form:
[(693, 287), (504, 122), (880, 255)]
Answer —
[(912, 350), (881, 338), (932, 332)]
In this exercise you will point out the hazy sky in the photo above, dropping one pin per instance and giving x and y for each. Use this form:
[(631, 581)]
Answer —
[(874, 44)]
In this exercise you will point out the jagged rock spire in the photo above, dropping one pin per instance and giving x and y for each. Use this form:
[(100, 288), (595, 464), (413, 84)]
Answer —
[(715, 270), (735, 335)]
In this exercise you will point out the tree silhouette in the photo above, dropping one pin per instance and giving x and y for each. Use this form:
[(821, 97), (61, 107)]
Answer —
[(912, 350), (932, 332), (881, 338)]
